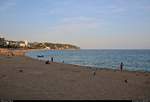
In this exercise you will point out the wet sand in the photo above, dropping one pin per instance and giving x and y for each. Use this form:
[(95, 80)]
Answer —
[(25, 78)]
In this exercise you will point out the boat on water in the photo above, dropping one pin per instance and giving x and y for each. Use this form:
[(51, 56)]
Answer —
[(40, 55)]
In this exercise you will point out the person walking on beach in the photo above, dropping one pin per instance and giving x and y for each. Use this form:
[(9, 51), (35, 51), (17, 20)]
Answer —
[(121, 66)]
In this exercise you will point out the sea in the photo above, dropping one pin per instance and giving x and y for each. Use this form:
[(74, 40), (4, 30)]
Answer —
[(133, 60)]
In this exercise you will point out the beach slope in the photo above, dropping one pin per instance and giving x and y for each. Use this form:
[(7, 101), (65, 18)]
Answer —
[(26, 78)]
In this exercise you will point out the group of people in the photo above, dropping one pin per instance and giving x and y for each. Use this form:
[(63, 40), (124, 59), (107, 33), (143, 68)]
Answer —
[(52, 59)]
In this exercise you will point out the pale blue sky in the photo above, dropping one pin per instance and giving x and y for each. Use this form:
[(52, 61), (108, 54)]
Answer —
[(103, 24)]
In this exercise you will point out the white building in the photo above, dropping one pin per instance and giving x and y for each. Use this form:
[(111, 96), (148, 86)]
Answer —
[(26, 43), (23, 43), (48, 48), (7, 42)]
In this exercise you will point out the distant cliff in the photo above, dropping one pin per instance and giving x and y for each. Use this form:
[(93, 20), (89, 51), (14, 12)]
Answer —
[(54, 46)]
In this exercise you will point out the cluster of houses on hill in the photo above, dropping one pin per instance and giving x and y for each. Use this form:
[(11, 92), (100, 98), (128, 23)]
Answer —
[(35, 45), (14, 44)]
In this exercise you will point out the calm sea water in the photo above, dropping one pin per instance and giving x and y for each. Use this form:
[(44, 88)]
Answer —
[(134, 60)]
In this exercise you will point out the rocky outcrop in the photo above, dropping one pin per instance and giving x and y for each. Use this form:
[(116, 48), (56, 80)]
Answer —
[(9, 52)]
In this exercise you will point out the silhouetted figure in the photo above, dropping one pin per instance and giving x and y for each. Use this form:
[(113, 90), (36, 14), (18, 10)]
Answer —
[(121, 66), (62, 61), (52, 59), (47, 62), (126, 81)]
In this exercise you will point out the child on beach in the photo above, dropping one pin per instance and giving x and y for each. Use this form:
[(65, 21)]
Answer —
[(93, 75)]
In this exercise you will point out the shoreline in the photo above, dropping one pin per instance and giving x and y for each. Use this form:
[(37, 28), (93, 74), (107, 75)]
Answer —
[(96, 68), (22, 77), (22, 52), (92, 67)]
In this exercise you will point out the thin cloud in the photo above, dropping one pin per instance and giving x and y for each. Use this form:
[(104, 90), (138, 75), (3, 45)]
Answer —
[(147, 8), (74, 25), (7, 4), (79, 19)]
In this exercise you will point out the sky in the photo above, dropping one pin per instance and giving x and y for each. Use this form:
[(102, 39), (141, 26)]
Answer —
[(89, 24)]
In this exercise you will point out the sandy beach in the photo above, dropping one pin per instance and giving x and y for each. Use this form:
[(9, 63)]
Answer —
[(25, 78)]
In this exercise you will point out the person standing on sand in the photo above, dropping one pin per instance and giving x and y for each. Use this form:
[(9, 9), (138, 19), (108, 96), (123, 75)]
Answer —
[(51, 59), (121, 66)]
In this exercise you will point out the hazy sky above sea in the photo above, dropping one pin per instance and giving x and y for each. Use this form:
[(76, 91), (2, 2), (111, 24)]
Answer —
[(104, 24)]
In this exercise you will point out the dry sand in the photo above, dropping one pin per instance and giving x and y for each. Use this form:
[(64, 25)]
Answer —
[(25, 78)]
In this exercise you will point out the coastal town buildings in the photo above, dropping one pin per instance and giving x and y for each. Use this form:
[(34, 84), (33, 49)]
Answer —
[(2, 39), (12, 44), (34, 45)]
